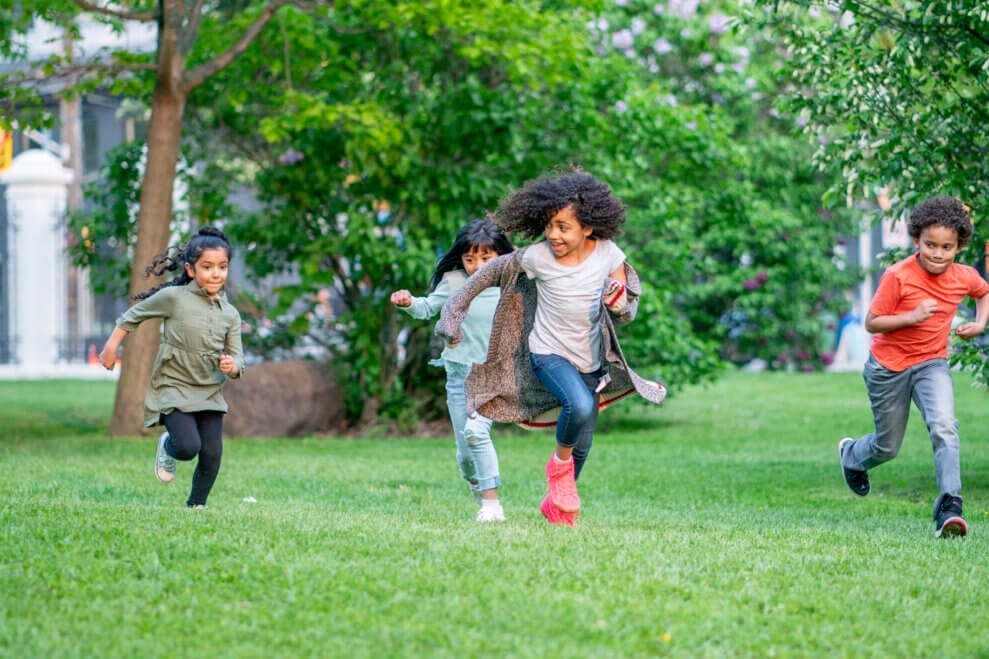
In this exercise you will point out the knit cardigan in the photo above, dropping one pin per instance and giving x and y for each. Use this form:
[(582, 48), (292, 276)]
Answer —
[(504, 387)]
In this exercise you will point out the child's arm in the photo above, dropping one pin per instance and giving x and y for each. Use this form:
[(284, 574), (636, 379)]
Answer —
[(976, 327), (232, 359), (422, 308), (881, 324), (108, 357), (156, 306)]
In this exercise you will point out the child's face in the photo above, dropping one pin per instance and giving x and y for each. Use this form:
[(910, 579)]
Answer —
[(474, 259), (210, 271), (936, 248), (565, 234)]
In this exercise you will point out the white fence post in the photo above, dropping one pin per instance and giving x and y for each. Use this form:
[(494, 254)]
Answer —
[(36, 195)]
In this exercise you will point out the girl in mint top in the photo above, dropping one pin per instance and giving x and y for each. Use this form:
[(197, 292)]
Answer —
[(477, 243), (200, 349)]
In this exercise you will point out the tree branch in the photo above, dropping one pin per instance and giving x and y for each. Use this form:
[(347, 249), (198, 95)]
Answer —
[(196, 76), (115, 13), (192, 28)]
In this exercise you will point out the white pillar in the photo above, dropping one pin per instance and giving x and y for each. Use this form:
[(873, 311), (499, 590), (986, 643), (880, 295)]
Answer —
[(36, 194)]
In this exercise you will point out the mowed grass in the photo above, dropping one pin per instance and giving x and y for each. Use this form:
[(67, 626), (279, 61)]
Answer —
[(716, 525)]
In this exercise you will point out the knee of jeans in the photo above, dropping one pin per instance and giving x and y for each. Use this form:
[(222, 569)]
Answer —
[(944, 429), (582, 410)]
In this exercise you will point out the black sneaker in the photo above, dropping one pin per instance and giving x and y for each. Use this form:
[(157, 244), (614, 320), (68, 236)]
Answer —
[(948, 517), (856, 479)]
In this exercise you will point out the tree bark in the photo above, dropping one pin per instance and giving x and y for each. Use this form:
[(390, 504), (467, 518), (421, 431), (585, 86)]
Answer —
[(153, 230)]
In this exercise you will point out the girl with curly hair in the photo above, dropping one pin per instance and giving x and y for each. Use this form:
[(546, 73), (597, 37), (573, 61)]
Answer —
[(553, 347), (200, 349)]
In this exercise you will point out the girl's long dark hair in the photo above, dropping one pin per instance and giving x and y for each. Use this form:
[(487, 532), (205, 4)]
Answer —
[(475, 234), (175, 258)]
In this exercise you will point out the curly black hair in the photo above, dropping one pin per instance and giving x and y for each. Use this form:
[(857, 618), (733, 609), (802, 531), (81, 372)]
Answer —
[(174, 258), (941, 211), (473, 235), (529, 209)]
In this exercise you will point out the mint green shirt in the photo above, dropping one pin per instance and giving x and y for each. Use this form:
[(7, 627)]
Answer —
[(196, 331), (473, 349)]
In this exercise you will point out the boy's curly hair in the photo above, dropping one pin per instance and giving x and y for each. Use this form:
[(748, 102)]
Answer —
[(529, 209), (941, 211)]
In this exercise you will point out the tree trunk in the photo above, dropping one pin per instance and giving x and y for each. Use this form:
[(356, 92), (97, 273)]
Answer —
[(153, 232)]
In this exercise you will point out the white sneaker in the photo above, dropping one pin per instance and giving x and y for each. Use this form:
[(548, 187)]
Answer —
[(164, 463), (491, 514)]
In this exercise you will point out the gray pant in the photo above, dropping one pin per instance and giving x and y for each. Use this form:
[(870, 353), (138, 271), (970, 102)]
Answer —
[(929, 385)]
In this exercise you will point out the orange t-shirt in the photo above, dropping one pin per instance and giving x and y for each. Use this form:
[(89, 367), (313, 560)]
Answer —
[(902, 288)]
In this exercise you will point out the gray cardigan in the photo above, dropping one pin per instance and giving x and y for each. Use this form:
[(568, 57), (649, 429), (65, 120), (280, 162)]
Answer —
[(504, 388)]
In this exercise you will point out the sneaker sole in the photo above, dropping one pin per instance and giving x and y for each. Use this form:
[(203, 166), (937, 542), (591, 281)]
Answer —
[(554, 515), (953, 527)]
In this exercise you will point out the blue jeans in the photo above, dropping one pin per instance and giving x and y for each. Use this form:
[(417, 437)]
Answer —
[(575, 391), (929, 385), (476, 455)]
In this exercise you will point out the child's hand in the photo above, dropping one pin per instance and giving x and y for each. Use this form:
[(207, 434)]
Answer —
[(616, 297), (228, 366), (924, 311), (401, 298), (108, 357), (968, 330)]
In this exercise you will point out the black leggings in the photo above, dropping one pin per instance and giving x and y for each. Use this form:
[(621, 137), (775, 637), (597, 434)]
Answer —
[(196, 433)]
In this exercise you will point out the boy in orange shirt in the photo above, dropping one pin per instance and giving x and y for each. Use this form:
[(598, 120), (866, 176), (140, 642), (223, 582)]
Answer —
[(910, 317)]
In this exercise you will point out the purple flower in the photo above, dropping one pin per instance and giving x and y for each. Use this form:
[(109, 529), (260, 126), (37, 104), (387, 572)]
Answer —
[(718, 23), (621, 107), (290, 157), (638, 26), (622, 39), (706, 59), (662, 46)]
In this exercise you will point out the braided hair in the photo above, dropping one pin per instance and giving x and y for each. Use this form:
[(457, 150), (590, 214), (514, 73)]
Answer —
[(474, 235), (529, 209), (175, 258)]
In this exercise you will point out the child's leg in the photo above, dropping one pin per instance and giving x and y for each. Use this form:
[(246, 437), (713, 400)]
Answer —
[(583, 446), (934, 394), (889, 393), (456, 403), (578, 409), (210, 425), (183, 435), (577, 415), (477, 433)]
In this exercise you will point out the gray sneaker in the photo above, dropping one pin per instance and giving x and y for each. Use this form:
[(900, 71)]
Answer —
[(164, 463), (948, 521)]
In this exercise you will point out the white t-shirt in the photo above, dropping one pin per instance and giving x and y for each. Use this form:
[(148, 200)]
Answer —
[(569, 302)]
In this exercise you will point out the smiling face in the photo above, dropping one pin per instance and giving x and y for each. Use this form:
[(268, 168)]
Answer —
[(937, 247), (476, 257), (210, 271), (565, 235)]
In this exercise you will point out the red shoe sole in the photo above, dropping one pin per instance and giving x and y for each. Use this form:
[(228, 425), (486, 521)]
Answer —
[(953, 527), (556, 516)]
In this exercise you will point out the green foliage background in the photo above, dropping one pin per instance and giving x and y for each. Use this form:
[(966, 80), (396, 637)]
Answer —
[(370, 134)]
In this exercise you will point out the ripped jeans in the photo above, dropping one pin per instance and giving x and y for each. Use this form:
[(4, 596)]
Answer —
[(476, 455)]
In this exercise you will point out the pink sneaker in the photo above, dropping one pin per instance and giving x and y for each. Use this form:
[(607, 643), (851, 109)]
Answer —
[(562, 485), (554, 515)]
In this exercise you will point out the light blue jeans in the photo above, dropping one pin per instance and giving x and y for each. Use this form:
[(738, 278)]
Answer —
[(929, 385), (475, 452)]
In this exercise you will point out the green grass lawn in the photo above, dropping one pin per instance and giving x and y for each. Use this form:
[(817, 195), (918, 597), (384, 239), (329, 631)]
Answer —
[(715, 525)]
